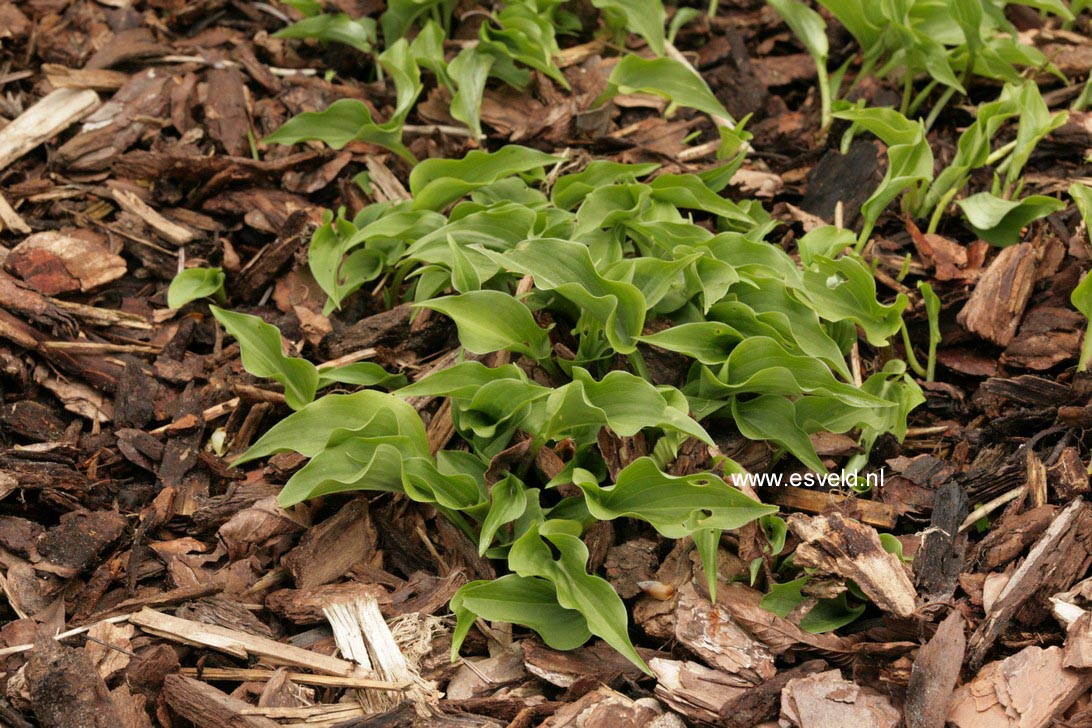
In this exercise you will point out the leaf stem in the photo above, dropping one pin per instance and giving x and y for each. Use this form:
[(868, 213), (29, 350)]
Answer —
[(911, 359), (938, 211), (638, 363)]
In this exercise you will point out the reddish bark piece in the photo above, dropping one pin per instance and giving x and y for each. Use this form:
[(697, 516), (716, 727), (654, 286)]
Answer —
[(327, 551), (997, 305), (1028, 690), (61, 262), (79, 538), (825, 700), (934, 675)]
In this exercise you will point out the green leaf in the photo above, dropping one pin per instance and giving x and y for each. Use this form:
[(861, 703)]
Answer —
[(469, 71), (830, 614), (348, 120), (675, 506), (527, 601), (664, 77), (566, 267), (999, 221), (643, 17), (261, 353), (782, 598), (508, 502), (194, 283), (435, 183), (461, 381), (709, 342), (844, 289), (1082, 196), (401, 14), (525, 36), (339, 28), (623, 402), (308, 430), (808, 26), (571, 189), (770, 417), (824, 241), (363, 374), (1081, 298), (532, 555), (489, 321)]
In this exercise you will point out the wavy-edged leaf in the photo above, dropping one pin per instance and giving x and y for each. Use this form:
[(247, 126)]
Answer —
[(844, 289), (489, 321), (528, 601), (675, 506), (532, 555), (362, 374), (356, 33), (260, 350), (643, 17), (308, 430), (434, 183), (666, 78), (469, 71), (508, 501), (771, 417), (566, 267), (999, 221)]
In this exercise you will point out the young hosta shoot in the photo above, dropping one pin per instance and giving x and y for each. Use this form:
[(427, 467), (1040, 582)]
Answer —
[(811, 29), (195, 283)]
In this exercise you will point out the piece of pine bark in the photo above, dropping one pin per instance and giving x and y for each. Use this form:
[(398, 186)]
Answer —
[(940, 558), (826, 700), (43, 121), (65, 688), (1063, 543), (1027, 690), (696, 691), (837, 545), (763, 702), (997, 304), (934, 675), (710, 632), (327, 551), (207, 707)]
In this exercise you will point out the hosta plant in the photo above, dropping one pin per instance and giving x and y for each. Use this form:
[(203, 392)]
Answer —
[(618, 264)]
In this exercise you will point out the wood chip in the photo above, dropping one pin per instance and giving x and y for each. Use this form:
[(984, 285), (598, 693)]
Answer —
[(997, 305), (1028, 690), (934, 675), (168, 230), (240, 644), (837, 545), (43, 121), (825, 700), (1064, 544)]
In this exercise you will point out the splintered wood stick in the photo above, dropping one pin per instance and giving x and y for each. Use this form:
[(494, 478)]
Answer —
[(16, 649), (242, 674), (43, 121), (240, 644)]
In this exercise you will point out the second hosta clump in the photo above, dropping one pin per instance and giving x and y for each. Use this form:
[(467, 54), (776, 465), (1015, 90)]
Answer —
[(603, 253)]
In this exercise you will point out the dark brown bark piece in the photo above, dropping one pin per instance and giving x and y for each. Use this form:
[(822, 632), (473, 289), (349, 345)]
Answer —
[(80, 537), (763, 702), (65, 688), (328, 550), (263, 267), (207, 707), (997, 304), (849, 179), (934, 675), (938, 562), (225, 109)]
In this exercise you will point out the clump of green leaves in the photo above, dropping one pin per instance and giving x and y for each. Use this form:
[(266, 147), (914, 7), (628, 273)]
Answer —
[(947, 43), (993, 215), (608, 249)]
